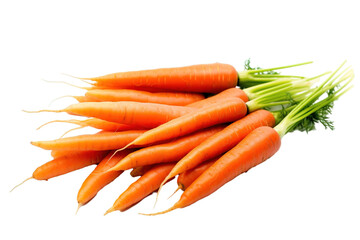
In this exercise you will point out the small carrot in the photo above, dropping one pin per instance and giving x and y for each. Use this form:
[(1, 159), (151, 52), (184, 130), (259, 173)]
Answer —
[(99, 178), (91, 142), (169, 98), (65, 164), (142, 187), (166, 152), (204, 78), (263, 142)]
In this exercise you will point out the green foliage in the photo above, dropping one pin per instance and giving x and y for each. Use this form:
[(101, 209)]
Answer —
[(248, 67)]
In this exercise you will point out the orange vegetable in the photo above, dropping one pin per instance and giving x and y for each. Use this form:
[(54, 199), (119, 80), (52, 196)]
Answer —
[(169, 98), (99, 178), (91, 142), (142, 187)]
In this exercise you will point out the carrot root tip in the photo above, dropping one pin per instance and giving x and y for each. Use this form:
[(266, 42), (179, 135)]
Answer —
[(21, 183), (109, 211), (158, 213), (78, 207)]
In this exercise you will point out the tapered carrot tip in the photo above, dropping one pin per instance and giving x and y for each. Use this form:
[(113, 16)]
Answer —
[(158, 213), (44, 110), (109, 210), (21, 183), (79, 206), (174, 192)]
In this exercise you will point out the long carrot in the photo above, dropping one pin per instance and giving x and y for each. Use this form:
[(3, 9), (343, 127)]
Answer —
[(144, 186), (146, 115), (264, 142), (99, 177), (93, 142), (169, 98), (166, 152), (228, 110), (65, 164), (204, 78)]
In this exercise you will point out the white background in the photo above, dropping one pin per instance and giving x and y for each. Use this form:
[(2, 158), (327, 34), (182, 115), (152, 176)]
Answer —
[(308, 190)]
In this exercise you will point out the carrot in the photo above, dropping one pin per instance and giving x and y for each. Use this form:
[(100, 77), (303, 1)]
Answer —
[(169, 98), (96, 123), (139, 171), (99, 178), (144, 186), (227, 110), (165, 152), (61, 153), (94, 142), (65, 164), (263, 142), (203, 78), (146, 115)]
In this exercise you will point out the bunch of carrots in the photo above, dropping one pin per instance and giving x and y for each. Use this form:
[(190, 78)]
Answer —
[(202, 124)]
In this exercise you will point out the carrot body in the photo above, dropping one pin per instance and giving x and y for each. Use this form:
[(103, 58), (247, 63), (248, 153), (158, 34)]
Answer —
[(228, 110), (228, 93), (166, 152), (185, 179), (105, 125), (195, 78), (224, 140), (94, 142), (99, 178), (169, 98), (144, 186), (255, 148), (147, 115), (66, 164)]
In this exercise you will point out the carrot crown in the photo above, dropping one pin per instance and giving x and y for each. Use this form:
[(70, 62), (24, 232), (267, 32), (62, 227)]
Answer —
[(310, 111), (254, 76)]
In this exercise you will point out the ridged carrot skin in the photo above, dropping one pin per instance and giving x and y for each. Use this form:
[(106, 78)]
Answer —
[(146, 115), (185, 179), (228, 110), (106, 125), (223, 141), (65, 164), (228, 93), (91, 142), (255, 148), (195, 78), (166, 152), (169, 98), (142, 187), (99, 177)]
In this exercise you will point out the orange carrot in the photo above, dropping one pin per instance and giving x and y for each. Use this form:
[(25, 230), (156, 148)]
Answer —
[(223, 141), (94, 142), (142, 187), (61, 153), (169, 98), (228, 110), (97, 123), (65, 164), (99, 178), (203, 78), (166, 152), (145, 115)]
